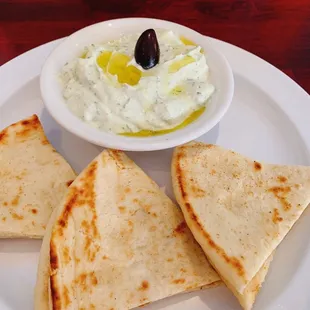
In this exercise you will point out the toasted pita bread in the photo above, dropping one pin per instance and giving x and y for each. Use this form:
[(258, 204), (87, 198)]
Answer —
[(33, 179), (247, 298), (239, 210), (117, 242), (41, 295)]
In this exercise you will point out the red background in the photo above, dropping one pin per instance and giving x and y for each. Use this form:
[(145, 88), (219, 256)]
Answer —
[(276, 30)]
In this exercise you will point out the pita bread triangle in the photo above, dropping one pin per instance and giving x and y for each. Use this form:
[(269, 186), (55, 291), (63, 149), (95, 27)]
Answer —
[(33, 179), (117, 242), (238, 209)]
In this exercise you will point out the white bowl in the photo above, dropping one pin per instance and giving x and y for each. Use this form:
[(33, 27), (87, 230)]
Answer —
[(220, 75)]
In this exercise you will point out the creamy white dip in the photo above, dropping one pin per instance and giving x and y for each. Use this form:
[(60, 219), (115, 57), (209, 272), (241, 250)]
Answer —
[(164, 97)]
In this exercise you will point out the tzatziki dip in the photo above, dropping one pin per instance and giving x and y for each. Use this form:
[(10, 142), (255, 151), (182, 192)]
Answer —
[(138, 85)]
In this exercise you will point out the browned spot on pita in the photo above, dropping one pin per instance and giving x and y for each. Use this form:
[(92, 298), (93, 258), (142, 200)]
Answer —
[(179, 255), (152, 228), (81, 197), (197, 192), (127, 190), (91, 249), (3, 136), (242, 257), (23, 174), (15, 200), (297, 186), (169, 260), (4, 218), (88, 243), (55, 294), (183, 270), (45, 141), (28, 126), (178, 281), (105, 257), (69, 182), (16, 216), (5, 204), (86, 227), (71, 203), (53, 256), (146, 207), (33, 223), (144, 286), (93, 279), (32, 121), (281, 194), (77, 260), (233, 261), (213, 171), (282, 179), (144, 303), (181, 228), (34, 211), (67, 300), (257, 166), (66, 255), (256, 288), (122, 209), (210, 146), (93, 307), (276, 216), (179, 173), (117, 155), (81, 281), (125, 233), (111, 295)]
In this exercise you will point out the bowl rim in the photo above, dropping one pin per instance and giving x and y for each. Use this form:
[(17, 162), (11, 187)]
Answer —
[(85, 131)]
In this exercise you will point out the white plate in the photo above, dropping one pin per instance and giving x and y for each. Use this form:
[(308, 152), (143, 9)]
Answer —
[(268, 120)]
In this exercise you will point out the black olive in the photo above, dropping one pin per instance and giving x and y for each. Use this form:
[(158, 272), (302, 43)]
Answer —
[(147, 50)]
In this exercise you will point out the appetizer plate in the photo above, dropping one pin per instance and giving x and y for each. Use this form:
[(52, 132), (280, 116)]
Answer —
[(268, 120)]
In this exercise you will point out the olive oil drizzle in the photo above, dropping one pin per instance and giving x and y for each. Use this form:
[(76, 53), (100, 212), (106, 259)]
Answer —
[(149, 133)]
